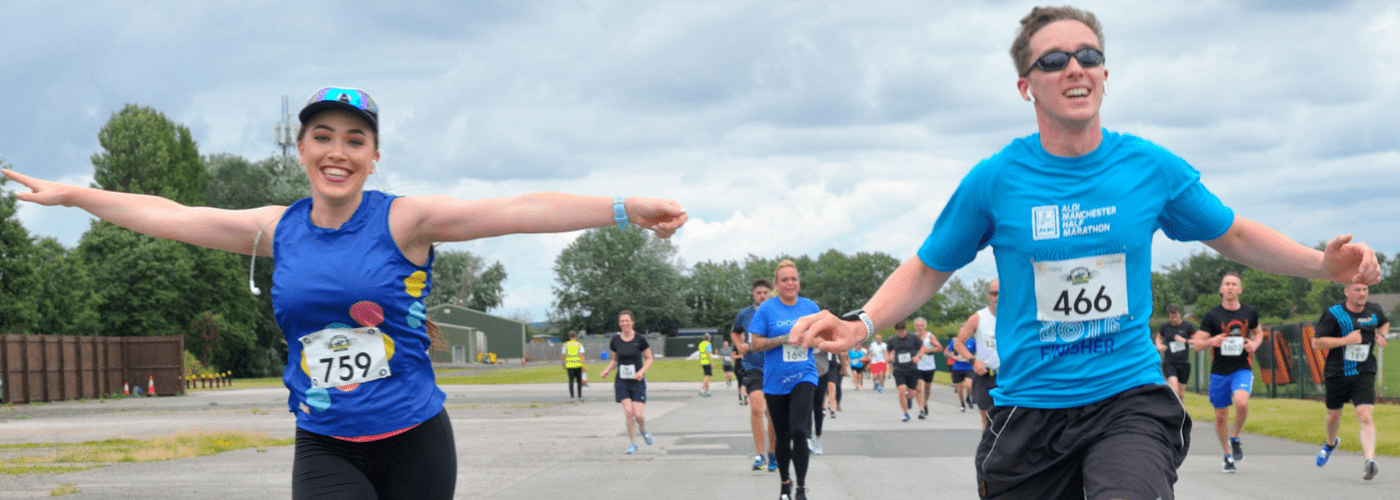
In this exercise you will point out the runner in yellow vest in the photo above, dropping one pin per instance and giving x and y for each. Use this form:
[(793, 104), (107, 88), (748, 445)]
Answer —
[(706, 350), (572, 355)]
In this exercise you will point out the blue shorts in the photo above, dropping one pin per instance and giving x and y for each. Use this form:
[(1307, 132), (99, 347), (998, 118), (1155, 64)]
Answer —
[(1223, 387)]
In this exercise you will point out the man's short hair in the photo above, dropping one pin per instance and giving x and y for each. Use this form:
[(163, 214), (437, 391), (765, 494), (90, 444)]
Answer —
[(1173, 308), (762, 282), (900, 326), (1037, 19)]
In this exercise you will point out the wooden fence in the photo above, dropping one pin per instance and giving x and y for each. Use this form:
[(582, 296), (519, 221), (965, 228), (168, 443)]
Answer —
[(60, 367)]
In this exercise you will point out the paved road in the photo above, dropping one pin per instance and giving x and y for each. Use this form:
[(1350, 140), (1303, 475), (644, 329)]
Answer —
[(526, 442)]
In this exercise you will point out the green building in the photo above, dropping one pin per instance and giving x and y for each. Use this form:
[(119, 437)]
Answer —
[(471, 333)]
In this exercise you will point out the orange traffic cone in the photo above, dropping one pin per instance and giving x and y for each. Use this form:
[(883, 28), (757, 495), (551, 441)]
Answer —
[(585, 377), (126, 389), (151, 386)]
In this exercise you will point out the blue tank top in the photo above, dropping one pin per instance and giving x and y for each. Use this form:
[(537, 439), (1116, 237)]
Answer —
[(774, 318), (353, 277), (971, 345)]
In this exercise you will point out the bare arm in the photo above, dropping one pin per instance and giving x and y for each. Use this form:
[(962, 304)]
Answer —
[(424, 220), (910, 286), (646, 363), (1329, 343), (1256, 337), (227, 230), (764, 344), (965, 332), (1263, 248), (1381, 331)]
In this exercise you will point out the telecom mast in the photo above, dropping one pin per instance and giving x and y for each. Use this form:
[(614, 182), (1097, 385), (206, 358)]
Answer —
[(283, 131)]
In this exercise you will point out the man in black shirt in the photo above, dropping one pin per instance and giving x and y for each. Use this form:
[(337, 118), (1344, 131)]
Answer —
[(1232, 332), (1171, 340), (1347, 333), (904, 355)]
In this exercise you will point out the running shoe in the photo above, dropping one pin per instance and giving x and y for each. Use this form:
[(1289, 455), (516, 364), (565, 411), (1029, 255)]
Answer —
[(1236, 449), (758, 462), (800, 493), (1370, 469), (906, 418), (810, 446), (911, 404), (923, 414), (879, 389), (647, 436), (1229, 465), (1326, 452), (832, 414), (964, 408), (816, 447), (772, 463), (632, 450)]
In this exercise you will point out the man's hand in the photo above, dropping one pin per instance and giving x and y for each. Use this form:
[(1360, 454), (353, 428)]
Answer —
[(1355, 337), (1345, 262), (979, 367), (827, 332)]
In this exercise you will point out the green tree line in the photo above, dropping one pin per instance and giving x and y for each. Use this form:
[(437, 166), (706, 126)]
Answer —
[(120, 283)]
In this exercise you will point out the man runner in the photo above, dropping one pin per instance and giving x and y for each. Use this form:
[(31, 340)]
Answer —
[(1347, 331), (1232, 332), (753, 378)]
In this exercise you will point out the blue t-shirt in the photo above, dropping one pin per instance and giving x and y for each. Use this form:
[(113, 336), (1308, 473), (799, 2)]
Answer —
[(346, 278), (857, 358), (774, 318), (752, 360), (971, 346), (1034, 209)]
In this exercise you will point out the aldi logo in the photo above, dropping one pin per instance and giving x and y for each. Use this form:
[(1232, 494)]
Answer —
[(1045, 222)]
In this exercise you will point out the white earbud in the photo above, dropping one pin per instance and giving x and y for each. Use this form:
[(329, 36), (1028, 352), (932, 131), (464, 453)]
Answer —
[(1032, 96), (252, 261), (253, 288), (1105, 87)]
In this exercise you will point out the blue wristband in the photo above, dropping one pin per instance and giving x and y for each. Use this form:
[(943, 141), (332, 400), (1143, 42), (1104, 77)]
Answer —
[(620, 213)]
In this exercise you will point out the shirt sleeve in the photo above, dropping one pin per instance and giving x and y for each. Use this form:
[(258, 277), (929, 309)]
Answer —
[(739, 327), (758, 324), (1195, 214), (963, 228), (1326, 325)]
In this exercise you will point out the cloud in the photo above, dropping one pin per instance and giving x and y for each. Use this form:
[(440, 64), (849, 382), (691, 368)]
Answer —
[(784, 127)]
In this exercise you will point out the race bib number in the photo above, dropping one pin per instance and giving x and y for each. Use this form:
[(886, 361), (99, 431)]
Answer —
[(904, 357), (1177, 346), (627, 372), (343, 356), (1082, 289), (1357, 352), (793, 354), (1232, 346)]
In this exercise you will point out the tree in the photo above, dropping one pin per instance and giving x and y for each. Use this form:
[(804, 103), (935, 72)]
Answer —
[(842, 283), (17, 301), (462, 278), (1270, 294), (68, 291), (608, 270), (715, 292), (1196, 275), (145, 152), (236, 183)]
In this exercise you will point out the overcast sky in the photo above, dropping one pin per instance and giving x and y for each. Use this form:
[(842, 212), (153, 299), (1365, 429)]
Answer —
[(782, 126)]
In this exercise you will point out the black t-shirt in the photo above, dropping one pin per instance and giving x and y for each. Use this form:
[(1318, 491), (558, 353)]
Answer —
[(1237, 324), (628, 352), (909, 345), (1338, 321), (1169, 333)]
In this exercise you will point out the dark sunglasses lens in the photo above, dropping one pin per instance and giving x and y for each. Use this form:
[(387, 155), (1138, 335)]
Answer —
[(1088, 58), (1053, 61)]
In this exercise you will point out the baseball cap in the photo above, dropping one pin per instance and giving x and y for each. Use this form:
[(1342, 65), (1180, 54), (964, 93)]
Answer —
[(353, 100)]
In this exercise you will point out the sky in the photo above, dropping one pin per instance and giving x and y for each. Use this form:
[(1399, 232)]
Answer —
[(783, 127)]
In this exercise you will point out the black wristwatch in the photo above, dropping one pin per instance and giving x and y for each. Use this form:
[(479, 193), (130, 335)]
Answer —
[(859, 315)]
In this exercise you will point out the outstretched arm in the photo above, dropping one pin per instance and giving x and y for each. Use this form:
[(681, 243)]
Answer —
[(1263, 248), (431, 219), (910, 286), (220, 229)]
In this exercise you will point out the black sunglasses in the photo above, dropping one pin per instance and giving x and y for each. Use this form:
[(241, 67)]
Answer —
[(1053, 61)]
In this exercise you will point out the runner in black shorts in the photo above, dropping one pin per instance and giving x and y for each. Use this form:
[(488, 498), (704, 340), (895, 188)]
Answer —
[(751, 380), (904, 356), (1172, 340), (632, 358), (1347, 332)]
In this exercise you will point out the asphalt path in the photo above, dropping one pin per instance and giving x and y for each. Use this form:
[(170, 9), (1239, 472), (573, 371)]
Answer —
[(528, 442)]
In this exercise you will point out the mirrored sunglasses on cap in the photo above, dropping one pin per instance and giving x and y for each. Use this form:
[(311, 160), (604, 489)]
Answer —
[(1057, 60), (354, 100)]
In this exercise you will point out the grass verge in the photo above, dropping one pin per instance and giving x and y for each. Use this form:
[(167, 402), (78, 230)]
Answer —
[(27, 458), (662, 370)]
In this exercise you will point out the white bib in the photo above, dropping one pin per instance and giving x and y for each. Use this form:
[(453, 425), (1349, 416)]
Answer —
[(904, 357), (1083, 289), (1177, 345), (343, 356), (1232, 346), (792, 353), (1357, 352), (627, 372)]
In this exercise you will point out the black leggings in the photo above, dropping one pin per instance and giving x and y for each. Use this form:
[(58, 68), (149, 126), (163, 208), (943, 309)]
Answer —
[(420, 463), (835, 377), (819, 406), (575, 376), (791, 414)]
